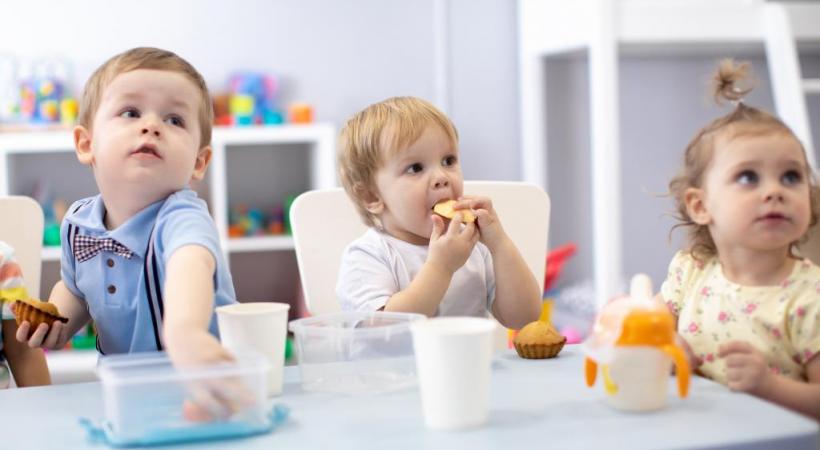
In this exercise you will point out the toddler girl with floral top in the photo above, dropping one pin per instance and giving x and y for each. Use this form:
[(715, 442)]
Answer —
[(747, 306)]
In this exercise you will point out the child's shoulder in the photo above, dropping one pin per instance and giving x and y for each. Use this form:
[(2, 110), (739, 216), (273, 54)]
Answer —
[(185, 200)]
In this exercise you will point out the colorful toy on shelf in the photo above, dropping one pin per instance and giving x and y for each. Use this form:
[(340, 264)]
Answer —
[(53, 212), (300, 113), (276, 224), (43, 100), (244, 221), (253, 99)]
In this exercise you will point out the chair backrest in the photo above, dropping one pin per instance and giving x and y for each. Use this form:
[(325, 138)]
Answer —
[(21, 226), (325, 221)]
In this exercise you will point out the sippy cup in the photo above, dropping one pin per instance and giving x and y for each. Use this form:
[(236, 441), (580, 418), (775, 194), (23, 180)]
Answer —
[(633, 342)]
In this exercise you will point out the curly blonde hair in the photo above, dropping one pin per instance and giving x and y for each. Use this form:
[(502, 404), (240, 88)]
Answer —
[(378, 131), (730, 83)]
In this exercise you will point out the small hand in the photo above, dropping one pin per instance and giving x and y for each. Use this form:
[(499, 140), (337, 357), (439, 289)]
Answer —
[(746, 367), (211, 399), (54, 337), (452, 247), (489, 226)]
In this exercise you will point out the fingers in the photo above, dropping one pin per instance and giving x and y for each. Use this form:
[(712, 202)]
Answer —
[(473, 202), (22, 332), (53, 339), (734, 347), (454, 228), (39, 335), (737, 360), (438, 227)]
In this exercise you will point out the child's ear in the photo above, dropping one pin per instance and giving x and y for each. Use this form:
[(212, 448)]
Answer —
[(694, 199), (371, 200), (203, 158), (82, 145)]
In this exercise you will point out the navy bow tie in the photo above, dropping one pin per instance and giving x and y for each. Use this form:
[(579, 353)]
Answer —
[(87, 247)]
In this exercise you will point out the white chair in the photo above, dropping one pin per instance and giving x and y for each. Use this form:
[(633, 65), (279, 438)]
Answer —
[(21, 226), (325, 221)]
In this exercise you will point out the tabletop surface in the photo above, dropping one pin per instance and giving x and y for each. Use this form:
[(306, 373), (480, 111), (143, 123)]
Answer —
[(534, 404)]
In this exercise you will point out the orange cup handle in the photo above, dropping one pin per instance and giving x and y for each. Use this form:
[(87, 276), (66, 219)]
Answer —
[(682, 370), (591, 371)]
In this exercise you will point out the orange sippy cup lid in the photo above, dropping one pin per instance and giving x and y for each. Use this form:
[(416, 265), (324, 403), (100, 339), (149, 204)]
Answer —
[(652, 327)]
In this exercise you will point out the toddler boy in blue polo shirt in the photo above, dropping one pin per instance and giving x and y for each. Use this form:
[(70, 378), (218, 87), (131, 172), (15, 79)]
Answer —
[(142, 258)]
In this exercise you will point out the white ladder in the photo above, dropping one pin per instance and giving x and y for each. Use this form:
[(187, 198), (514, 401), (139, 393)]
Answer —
[(788, 87)]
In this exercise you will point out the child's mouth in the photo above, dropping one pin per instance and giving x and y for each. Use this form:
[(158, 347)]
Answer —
[(772, 217), (146, 149)]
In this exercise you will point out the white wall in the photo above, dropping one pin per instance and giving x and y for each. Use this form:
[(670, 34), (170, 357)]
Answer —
[(337, 55)]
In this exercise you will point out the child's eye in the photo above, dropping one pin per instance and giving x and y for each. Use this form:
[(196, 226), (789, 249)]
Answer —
[(130, 113), (791, 177), (747, 177), (175, 121), (414, 168), (449, 161)]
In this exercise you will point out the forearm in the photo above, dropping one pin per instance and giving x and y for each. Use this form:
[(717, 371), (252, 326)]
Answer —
[(70, 307), (800, 396), (425, 292), (28, 365), (189, 294), (517, 294)]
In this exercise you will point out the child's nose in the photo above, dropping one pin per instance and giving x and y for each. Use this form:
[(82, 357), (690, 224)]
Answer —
[(150, 126), (774, 192), (441, 182)]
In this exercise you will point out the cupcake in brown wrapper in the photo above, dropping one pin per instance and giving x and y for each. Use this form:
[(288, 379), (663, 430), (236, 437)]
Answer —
[(538, 340), (36, 312)]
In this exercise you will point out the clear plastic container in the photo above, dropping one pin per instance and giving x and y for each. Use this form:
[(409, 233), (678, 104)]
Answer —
[(356, 352), (149, 401)]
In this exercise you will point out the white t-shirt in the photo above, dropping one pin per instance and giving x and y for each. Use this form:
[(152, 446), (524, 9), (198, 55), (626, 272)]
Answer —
[(377, 265)]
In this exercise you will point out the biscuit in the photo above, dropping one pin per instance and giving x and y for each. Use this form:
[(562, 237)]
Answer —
[(445, 209)]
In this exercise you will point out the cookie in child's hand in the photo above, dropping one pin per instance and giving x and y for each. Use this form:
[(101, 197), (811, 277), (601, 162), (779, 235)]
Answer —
[(36, 312), (445, 209)]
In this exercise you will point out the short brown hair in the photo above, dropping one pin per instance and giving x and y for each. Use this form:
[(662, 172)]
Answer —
[(730, 82), (382, 129), (145, 58)]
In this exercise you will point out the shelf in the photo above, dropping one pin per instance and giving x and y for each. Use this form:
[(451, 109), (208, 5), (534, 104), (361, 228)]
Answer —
[(260, 243), (51, 253), (261, 166)]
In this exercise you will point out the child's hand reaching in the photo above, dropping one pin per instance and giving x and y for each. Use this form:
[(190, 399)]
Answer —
[(450, 248), (746, 368), (490, 231)]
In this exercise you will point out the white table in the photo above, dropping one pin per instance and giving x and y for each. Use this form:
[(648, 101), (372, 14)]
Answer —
[(534, 405)]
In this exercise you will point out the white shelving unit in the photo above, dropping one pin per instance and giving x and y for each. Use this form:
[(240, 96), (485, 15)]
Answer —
[(601, 28), (258, 166)]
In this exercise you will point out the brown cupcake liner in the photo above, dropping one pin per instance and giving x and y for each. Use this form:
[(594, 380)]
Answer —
[(24, 312), (539, 351)]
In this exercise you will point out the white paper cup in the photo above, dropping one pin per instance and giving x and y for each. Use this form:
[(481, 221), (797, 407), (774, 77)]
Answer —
[(453, 357), (260, 327)]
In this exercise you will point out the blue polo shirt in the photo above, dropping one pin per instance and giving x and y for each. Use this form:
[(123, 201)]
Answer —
[(119, 291)]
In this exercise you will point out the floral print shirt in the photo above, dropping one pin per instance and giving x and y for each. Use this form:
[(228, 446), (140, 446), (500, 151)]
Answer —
[(782, 321)]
